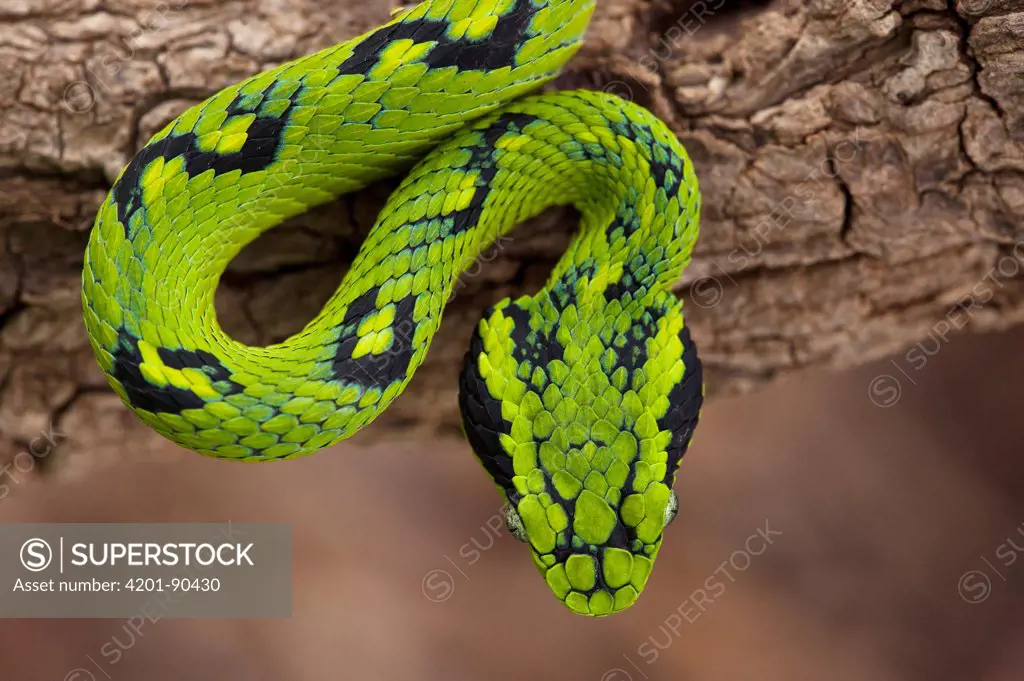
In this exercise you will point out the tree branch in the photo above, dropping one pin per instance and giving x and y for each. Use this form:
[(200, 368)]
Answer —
[(862, 164)]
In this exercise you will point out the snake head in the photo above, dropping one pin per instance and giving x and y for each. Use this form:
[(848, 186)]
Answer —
[(580, 411)]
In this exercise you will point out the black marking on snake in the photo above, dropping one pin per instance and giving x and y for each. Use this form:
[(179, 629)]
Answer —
[(482, 159), (371, 369), (619, 289), (667, 175), (493, 52), (202, 360), (685, 400), (563, 291), (535, 348), (632, 284), (627, 489), (483, 422), (566, 291), (257, 153), (625, 222), (520, 332), (666, 165), (167, 399), (633, 353), (362, 306)]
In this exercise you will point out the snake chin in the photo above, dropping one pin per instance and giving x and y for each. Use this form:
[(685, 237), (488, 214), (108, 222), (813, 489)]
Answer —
[(590, 579), (580, 414)]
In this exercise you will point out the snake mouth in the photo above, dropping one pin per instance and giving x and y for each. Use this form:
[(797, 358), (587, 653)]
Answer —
[(597, 584)]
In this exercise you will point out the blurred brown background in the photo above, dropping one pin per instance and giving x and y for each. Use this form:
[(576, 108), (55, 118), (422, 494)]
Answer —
[(881, 511)]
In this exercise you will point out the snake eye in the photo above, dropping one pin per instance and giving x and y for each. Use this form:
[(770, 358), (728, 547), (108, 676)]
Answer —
[(672, 508), (514, 523)]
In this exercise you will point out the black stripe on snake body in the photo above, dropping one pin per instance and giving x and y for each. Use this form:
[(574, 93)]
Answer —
[(144, 395), (482, 159), (482, 420), (375, 370), (263, 138), (686, 398), (494, 52)]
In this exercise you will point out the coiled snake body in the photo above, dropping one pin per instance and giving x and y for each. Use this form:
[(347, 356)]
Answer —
[(579, 401)]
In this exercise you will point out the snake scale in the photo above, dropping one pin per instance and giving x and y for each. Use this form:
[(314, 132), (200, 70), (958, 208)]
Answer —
[(579, 401)]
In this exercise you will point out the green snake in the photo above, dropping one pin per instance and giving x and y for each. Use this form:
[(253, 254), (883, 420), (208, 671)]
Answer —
[(579, 401)]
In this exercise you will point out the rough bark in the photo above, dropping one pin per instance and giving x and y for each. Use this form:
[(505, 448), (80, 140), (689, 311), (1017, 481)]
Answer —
[(862, 164)]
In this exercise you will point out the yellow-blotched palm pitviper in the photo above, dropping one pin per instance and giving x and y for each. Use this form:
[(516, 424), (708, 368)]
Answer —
[(579, 400)]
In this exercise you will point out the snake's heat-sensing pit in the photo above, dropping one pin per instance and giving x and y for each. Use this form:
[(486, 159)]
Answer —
[(579, 400)]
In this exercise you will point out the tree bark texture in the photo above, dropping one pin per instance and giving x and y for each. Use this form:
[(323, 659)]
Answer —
[(862, 165)]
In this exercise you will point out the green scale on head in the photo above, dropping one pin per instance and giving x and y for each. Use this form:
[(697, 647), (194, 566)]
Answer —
[(589, 438), (579, 401)]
